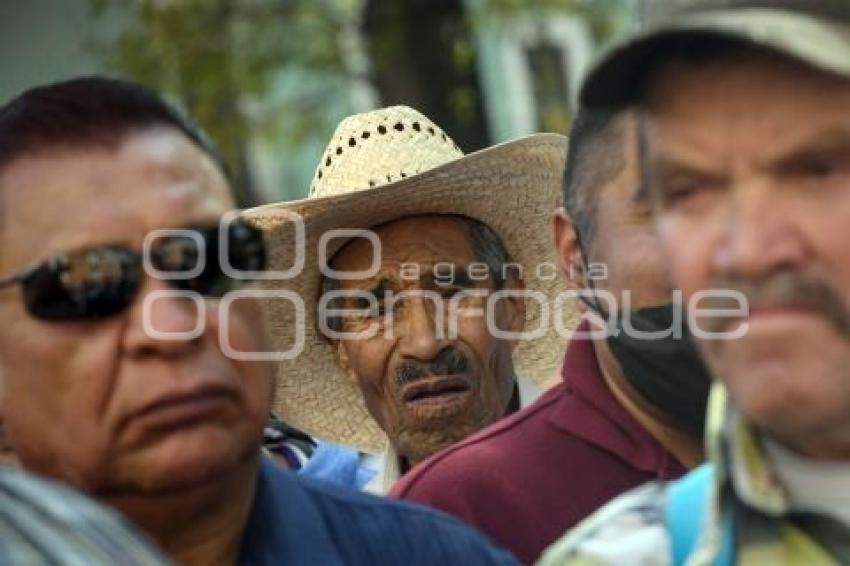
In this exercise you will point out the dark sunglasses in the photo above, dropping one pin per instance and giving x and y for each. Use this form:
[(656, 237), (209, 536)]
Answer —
[(102, 281)]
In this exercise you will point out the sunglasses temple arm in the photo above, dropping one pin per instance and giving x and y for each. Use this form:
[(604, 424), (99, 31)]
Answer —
[(9, 280)]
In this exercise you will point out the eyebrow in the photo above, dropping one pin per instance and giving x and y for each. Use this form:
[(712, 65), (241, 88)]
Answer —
[(834, 142), (460, 277), (666, 167), (669, 166)]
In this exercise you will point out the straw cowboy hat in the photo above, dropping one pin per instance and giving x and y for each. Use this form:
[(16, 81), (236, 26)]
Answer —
[(382, 166)]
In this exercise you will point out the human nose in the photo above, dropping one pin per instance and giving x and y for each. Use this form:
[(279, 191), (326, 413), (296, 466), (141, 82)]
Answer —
[(164, 321), (759, 235), (421, 337)]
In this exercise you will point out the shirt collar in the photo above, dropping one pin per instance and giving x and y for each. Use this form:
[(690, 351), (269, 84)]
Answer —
[(745, 477), (529, 391), (735, 449)]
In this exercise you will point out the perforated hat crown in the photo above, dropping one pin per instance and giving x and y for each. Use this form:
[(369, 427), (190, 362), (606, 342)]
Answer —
[(377, 148)]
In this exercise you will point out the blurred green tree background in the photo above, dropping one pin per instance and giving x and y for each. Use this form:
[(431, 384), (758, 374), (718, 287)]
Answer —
[(221, 59), (270, 79)]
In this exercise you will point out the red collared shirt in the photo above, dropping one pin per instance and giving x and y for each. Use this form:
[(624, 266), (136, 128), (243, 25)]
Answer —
[(528, 478)]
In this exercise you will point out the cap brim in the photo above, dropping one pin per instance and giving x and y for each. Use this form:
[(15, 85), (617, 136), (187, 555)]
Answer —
[(621, 77)]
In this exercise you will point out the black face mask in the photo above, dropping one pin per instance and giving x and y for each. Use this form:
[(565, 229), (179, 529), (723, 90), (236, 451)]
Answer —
[(666, 372)]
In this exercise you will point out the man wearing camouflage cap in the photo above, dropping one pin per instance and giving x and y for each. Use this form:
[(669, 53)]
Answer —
[(746, 156)]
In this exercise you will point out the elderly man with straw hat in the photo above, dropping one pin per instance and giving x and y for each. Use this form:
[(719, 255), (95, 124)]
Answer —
[(437, 321)]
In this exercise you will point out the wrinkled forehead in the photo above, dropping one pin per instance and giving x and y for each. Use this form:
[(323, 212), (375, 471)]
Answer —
[(425, 244), (728, 60), (424, 239), (63, 198), (774, 101)]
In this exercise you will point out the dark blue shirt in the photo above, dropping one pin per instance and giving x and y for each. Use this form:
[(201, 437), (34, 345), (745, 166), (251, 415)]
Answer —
[(298, 520)]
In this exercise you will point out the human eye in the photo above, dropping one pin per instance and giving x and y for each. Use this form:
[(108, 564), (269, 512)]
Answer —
[(377, 309), (177, 253), (369, 306), (449, 291), (685, 190)]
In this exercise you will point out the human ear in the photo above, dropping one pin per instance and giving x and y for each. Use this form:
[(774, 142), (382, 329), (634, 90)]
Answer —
[(344, 361), (568, 249)]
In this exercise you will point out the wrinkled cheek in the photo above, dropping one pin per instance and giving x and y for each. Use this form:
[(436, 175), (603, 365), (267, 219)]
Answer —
[(258, 380), (674, 247), (74, 451), (89, 464), (497, 386), (58, 383), (381, 402), (370, 362), (488, 357), (242, 330)]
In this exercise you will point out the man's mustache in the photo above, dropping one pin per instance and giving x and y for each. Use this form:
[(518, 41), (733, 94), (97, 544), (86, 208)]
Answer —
[(449, 361), (786, 288)]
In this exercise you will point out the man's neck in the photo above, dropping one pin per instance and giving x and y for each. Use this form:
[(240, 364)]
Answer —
[(813, 485), (687, 449), (198, 525), (829, 444)]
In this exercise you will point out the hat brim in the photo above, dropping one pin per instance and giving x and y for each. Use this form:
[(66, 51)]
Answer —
[(512, 187), (620, 78)]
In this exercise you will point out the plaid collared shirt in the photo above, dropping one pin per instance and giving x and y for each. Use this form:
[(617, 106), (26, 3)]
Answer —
[(632, 530)]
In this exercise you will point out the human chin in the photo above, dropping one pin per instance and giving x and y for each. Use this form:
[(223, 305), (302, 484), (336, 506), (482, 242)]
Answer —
[(430, 401), (188, 457), (788, 408), (769, 377), (420, 442)]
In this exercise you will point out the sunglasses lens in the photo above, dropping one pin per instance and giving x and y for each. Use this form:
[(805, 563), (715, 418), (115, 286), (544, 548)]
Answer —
[(245, 252), (101, 282), (246, 247), (84, 285)]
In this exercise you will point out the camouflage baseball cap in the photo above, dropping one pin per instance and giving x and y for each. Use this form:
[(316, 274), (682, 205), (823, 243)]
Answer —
[(816, 32)]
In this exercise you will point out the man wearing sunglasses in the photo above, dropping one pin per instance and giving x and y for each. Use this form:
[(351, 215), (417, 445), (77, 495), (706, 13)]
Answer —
[(112, 342)]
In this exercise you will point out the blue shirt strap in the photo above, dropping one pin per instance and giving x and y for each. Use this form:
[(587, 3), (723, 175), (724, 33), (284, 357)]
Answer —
[(686, 513)]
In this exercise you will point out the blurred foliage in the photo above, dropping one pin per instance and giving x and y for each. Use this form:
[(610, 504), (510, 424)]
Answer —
[(606, 21), (220, 58), (604, 17), (423, 55), (274, 71), (550, 89), (464, 98)]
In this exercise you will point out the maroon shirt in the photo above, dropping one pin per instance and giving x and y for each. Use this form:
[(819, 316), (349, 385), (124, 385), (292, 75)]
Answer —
[(528, 478)]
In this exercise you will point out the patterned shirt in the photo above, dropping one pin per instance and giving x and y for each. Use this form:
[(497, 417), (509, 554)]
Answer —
[(767, 530), (44, 523)]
